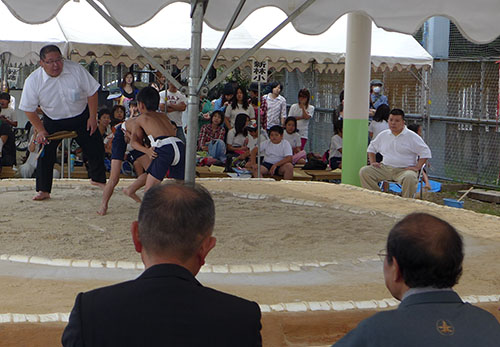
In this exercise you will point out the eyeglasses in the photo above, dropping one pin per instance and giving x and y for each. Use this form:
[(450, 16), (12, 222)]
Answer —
[(382, 254), (56, 61)]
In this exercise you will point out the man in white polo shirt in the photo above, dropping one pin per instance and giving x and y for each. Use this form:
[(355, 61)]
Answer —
[(67, 95), (404, 155)]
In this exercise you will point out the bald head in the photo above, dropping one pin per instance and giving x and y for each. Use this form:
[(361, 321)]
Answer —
[(429, 251), (174, 219)]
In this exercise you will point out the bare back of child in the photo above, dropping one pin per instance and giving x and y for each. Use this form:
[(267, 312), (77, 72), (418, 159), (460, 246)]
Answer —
[(166, 151)]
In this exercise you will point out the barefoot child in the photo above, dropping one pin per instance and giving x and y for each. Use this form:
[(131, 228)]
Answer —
[(166, 151), (119, 146), (277, 155)]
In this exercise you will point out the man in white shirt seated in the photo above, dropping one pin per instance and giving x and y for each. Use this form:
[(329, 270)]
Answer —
[(400, 148)]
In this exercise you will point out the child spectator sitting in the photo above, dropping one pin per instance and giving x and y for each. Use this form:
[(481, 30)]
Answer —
[(335, 157), (277, 155), (117, 115), (237, 137), (292, 136), (211, 138)]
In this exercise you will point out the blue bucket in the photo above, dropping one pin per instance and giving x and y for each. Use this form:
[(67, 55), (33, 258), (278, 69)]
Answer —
[(453, 203)]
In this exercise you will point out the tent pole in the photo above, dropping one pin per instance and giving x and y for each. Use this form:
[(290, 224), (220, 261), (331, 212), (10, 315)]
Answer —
[(259, 44), (193, 98), (356, 103), (134, 43), (221, 42)]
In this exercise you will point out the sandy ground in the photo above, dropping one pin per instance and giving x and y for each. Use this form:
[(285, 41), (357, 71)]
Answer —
[(351, 224)]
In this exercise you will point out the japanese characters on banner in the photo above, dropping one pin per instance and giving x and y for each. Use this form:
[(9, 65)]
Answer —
[(259, 71)]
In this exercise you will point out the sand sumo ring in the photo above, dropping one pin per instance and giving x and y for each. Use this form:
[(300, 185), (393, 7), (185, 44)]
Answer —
[(305, 251)]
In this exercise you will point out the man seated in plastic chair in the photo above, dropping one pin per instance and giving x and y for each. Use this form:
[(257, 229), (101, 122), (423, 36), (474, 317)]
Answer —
[(400, 148)]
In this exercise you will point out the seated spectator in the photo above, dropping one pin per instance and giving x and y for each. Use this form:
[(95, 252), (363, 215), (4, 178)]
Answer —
[(7, 144), (239, 104), (277, 155), (103, 122), (211, 137), (422, 262), (335, 156), (400, 148), (253, 90), (7, 113), (133, 109), (27, 170), (117, 115), (237, 137), (379, 124), (417, 128), (253, 140), (292, 136), (225, 99), (166, 305)]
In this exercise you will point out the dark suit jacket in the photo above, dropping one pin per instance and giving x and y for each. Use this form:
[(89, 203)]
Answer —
[(165, 306), (429, 319)]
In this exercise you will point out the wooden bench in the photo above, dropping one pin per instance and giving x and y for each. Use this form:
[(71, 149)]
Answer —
[(7, 172), (205, 172), (320, 175)]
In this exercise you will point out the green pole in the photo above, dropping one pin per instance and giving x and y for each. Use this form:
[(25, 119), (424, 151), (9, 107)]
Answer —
[(354, 143)]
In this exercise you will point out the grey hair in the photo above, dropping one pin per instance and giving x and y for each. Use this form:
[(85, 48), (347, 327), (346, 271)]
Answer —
[(175, 218)]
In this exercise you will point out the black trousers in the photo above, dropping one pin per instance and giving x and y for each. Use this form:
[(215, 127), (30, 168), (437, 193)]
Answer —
[(92, 146)]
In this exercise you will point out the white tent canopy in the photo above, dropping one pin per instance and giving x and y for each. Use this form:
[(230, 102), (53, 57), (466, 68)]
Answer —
[(477, 20), (95, 38)]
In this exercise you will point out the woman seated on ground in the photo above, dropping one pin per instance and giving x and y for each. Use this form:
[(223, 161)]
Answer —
[(238, 138), (239, 104), (335, 157), (211, 138), (292, 136)]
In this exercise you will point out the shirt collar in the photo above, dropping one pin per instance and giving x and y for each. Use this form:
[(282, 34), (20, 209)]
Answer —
[(421, 290), (404, 131)]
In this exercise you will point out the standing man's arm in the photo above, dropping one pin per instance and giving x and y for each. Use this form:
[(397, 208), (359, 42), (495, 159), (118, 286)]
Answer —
[(37, 123), (92, 122)]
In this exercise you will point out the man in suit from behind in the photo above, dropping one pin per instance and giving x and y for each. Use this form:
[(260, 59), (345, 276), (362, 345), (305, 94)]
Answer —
[(166, 305), (422, 262)]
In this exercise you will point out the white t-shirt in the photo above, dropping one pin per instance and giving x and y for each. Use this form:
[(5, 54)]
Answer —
[(252, 142), (293, 139), (401, 150), (335, 145), (231, 112), (9, 113), (302, 124), (273, 153), (377, 127), (176, 99), (238, 140), (61, 97)]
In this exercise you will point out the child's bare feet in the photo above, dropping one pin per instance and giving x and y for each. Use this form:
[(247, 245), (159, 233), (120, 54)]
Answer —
[(103, 210), (130, 194), (41, 196), (98, 184)]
